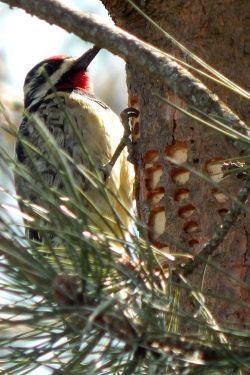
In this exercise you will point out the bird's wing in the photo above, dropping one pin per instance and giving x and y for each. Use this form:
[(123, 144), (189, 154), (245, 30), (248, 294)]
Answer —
[(32, 151), (76, 130)]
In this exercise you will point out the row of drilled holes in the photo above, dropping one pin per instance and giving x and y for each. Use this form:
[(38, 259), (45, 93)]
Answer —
[(179, 152), (179, 175), (157, 219)]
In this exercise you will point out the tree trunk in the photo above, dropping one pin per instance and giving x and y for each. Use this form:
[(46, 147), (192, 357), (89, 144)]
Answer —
[(180, 209)]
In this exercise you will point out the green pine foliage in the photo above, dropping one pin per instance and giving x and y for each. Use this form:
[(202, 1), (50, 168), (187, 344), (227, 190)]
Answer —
[(89, 306)]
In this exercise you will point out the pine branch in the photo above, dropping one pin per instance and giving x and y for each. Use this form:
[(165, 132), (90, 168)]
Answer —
[(20, 257), (134, 51)]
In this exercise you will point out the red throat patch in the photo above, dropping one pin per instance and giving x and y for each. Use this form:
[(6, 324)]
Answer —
[(81, 80)]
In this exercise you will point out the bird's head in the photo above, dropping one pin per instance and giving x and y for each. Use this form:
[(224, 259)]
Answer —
[(58, 73)]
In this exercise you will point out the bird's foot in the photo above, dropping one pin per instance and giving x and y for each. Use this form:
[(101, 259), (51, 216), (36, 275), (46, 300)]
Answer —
[(105, 171), (125, 115)]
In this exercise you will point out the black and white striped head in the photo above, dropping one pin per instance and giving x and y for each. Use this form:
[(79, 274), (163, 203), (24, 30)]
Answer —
[(58, 73)]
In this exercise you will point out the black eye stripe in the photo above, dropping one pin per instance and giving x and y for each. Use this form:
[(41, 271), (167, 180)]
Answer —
[(66, 77), (36, 81), (50, 67), (35, 84)]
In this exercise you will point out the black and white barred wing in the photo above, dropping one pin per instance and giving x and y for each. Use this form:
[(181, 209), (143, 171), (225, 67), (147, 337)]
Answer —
[(32, 150)]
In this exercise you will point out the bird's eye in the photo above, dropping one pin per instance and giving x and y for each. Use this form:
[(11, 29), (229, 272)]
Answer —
[(53, 66)]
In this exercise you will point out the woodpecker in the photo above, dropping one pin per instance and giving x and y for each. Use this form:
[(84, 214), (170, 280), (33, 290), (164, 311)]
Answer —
[(59, 92)]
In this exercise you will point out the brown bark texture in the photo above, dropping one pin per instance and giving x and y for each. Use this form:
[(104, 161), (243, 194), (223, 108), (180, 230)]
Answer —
[(181, 210)]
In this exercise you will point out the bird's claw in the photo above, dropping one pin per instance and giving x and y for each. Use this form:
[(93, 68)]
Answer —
[(105, 171), (125, 115)]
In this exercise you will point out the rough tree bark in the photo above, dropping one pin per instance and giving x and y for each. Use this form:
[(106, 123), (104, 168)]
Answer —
[(178, 206)]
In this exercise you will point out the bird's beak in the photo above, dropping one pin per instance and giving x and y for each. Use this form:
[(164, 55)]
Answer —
[(83, 61)]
